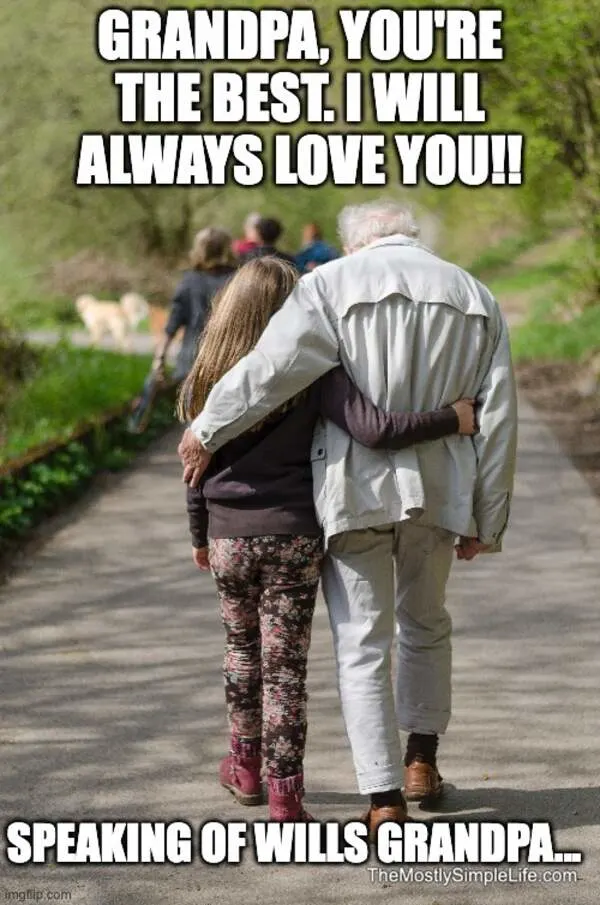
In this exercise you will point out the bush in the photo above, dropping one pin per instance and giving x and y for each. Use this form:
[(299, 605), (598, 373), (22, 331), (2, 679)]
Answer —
[(95, 273), (18, 361)]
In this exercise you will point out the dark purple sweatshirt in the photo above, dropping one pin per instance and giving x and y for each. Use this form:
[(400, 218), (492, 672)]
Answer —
[(261, 482)]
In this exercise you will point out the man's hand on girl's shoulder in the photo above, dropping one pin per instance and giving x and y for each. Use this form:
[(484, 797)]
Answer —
[(200, 557), (194, 458)]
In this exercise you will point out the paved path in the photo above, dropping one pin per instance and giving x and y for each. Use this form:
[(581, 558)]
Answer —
[(141, 343), (111, 704)]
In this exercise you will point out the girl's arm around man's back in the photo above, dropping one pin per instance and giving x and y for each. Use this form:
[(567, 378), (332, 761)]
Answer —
[(343, 403)]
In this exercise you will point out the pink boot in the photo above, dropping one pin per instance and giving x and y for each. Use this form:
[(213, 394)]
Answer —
[(241, 776), (285, 800)]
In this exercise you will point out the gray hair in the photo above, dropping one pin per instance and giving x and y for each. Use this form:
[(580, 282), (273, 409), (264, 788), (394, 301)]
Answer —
[(361, 224)]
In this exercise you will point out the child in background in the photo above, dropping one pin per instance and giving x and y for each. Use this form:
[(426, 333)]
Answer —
[(253, 523)]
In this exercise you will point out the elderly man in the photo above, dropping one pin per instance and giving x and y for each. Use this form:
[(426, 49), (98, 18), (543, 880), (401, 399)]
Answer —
[(415, 333)]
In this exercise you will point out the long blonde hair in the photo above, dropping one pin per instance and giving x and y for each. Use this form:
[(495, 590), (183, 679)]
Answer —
[(240, 312)]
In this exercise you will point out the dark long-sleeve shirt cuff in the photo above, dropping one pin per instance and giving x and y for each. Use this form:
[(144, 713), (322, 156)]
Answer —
[(198, 517)]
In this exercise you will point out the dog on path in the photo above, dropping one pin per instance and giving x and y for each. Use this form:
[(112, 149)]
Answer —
[(119, 319)]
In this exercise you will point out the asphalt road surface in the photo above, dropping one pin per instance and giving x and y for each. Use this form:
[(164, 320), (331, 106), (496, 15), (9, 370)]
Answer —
[(112, 703)]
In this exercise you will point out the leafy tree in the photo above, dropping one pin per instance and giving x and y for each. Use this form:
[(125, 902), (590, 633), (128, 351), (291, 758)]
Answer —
[(60, 89), (549, 86)]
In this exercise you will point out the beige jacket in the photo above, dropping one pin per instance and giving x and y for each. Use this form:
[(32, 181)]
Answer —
[(415, 333)]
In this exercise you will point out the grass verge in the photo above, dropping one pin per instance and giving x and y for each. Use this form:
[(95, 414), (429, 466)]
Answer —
[(535, 285), (548, 340), (69, 386), (63, 425), (501, 255), (46, 486)]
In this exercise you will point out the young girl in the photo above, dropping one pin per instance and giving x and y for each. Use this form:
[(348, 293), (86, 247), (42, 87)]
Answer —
[(255, 505)]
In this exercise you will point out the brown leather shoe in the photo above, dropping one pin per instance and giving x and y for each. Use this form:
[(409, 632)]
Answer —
[(376, 816), (422, 782)]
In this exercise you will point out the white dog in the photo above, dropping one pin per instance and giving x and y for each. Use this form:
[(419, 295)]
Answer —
[(115, 318)]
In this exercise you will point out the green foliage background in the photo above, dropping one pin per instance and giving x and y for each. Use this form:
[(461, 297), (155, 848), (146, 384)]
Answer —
[(547, 87), (59, 88)]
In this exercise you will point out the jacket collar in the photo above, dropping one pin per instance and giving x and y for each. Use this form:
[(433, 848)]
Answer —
[(398, 239), (465, 297)]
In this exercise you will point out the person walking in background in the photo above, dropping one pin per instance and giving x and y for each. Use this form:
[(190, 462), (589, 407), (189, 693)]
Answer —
[(241, 247), (269, 232), (265, 549), (314, 250), (414, 332), (212, 264)]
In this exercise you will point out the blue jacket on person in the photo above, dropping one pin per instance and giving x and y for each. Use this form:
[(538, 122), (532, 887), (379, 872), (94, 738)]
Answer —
[(314, 254)]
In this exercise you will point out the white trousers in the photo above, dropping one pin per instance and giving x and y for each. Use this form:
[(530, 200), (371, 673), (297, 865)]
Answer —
[(364, 610)]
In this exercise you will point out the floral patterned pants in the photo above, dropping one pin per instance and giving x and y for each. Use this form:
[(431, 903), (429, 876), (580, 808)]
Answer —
[(267, 588)]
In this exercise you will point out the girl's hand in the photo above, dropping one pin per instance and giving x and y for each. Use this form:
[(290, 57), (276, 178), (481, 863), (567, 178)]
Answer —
[(465, 409), (200, 557)]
